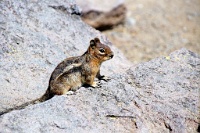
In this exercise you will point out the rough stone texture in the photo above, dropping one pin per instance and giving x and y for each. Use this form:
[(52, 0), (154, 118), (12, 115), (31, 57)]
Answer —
[(157, 96), (102, 14), (161, 95), (35, 36), (168, 91)]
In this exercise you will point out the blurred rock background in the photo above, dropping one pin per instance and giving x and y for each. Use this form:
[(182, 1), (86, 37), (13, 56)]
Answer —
[(150, 28)]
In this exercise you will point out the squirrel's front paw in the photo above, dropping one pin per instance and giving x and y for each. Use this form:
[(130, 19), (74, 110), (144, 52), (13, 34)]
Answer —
[(96, 84), (104, 78), (70, 93)]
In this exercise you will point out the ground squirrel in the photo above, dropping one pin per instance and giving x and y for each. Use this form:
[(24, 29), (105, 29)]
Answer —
[(75, 72)]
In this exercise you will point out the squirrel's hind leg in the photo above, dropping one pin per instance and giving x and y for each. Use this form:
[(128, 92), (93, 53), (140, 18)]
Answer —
[(60, 89)]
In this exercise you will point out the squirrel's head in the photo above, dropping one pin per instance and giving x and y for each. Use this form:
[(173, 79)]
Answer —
[(99, 50)]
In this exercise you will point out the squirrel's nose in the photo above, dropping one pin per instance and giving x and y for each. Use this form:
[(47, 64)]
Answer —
[(111, 55)]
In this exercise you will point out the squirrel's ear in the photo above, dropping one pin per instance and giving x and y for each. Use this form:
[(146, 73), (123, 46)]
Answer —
[(97, 40), (92, 44)]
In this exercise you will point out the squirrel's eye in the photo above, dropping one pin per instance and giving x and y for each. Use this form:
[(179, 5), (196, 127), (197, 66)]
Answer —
[(102, 50)]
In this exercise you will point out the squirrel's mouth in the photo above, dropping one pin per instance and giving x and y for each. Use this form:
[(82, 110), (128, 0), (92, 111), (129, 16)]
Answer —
[(108, 57), (111, 56)]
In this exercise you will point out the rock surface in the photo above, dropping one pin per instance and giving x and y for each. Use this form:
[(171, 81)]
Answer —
[(102, 14), (161, 95), (36, 36), (157, 96)]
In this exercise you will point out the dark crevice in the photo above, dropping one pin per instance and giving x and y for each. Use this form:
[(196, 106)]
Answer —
[(168, 126), (198, 129), (136, 126), (120, 116), (73, 10), (136, 104)]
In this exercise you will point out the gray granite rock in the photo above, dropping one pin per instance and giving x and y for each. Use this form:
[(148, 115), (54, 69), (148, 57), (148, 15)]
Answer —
[(161, 95), (35, 36)]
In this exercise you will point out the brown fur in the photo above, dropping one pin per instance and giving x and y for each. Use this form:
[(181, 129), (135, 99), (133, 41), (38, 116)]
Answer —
[(75, 72)]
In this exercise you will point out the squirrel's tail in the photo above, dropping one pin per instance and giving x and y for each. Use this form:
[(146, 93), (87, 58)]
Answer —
[(45, 97)]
